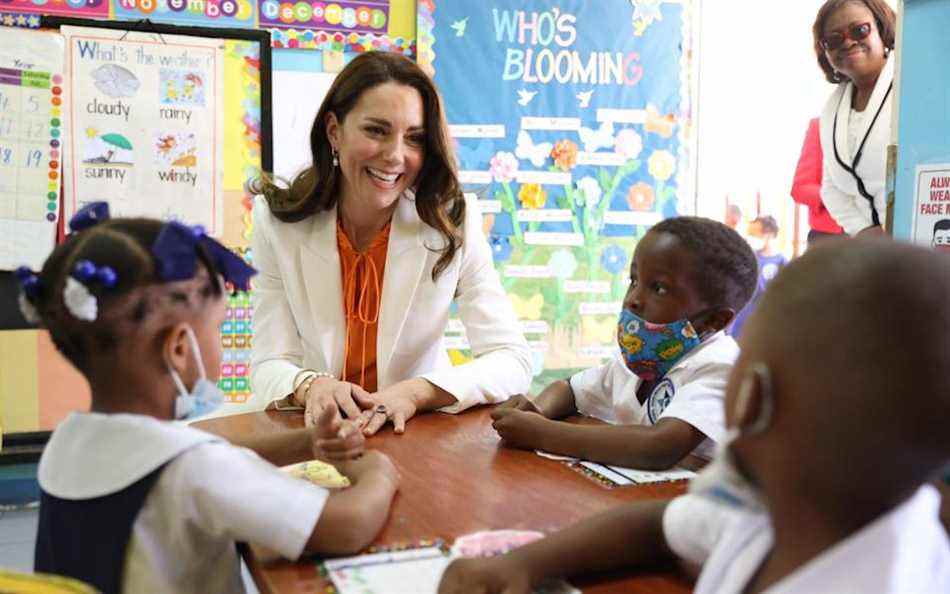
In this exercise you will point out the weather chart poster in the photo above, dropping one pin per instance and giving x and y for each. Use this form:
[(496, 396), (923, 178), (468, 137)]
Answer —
[(147, 114), (572, 126)]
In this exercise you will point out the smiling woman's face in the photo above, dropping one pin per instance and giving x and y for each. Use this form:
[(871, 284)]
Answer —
[(855, 59)]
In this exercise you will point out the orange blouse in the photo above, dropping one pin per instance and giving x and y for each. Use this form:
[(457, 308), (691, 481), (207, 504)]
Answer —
[(362, 293)]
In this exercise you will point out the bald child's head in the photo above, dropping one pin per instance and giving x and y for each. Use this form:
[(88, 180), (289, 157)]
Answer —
[(850, 348)]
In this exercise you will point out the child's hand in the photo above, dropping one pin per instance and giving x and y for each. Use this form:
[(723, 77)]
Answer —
[(485, 576), (372, 463), (520, 402), (519, 429), (334, 439)]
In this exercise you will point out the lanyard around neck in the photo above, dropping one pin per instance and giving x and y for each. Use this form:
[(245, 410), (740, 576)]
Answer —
[(852, 169)]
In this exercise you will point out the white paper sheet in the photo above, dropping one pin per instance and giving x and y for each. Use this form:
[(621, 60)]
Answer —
[(631, 476), (296, 98)]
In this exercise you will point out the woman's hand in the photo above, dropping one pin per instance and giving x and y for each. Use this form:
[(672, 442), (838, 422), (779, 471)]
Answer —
[(323, 392), (396, 404), (334, 439)]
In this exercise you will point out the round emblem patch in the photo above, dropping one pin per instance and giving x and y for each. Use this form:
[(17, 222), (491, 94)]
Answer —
[(660, 397)]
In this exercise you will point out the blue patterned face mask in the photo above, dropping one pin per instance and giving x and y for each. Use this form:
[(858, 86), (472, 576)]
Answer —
[(204, 397), (651, 350)]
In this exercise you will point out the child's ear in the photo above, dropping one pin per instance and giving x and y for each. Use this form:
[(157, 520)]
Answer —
[(753, 404), (176, 349), (717, 320)]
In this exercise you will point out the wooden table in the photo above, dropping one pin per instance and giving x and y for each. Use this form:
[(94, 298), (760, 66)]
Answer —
[(456, 479)]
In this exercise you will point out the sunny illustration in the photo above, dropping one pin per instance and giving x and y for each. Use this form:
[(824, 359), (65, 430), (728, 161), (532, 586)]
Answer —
[(106, 149)]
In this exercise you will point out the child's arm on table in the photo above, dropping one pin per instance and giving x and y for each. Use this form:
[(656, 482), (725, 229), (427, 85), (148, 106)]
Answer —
[(656, 447), (554, 402), (331, 439), (353, 517), (625, 537)]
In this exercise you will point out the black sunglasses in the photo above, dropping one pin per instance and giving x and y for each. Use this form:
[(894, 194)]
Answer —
[(855, 32)]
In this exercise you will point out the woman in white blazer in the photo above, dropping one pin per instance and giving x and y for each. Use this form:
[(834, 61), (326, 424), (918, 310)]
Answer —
[(853, 41), (331, 283)]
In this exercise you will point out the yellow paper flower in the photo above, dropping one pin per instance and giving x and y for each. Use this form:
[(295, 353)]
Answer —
[(527, 308), (564, 154), (532, 196), (661, 165)]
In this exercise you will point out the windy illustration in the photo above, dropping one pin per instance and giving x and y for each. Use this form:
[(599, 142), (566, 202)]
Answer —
[(176, 149)]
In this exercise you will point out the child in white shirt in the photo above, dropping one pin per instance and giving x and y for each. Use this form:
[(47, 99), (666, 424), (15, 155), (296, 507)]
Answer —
[(663, 392), (833, 431), (132, 501)]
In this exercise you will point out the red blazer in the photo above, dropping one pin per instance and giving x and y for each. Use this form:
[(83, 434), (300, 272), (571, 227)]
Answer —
[(806, 189)]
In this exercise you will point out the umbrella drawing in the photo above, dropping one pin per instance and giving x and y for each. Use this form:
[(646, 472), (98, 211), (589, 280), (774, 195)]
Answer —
[(117, 140), (115, 150), (115, 81)]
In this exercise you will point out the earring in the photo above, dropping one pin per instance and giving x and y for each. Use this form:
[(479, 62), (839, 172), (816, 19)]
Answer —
[(336, 158)]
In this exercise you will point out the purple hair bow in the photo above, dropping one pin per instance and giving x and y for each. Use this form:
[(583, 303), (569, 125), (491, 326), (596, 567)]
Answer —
[(88, 216), (175, 251)]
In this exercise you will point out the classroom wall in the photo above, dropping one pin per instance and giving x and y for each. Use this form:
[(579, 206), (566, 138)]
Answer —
[(924, 103)]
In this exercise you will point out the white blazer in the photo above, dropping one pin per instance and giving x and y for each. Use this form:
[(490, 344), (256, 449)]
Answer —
[(299, 321), (839, 190)]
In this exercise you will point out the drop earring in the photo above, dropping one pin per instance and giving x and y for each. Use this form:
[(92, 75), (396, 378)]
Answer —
[(336, 158)]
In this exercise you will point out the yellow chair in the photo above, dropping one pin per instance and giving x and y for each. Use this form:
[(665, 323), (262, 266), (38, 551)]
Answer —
[(12, 582)]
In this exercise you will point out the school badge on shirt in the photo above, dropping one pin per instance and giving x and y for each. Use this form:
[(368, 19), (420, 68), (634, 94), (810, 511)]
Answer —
[(659, 399)]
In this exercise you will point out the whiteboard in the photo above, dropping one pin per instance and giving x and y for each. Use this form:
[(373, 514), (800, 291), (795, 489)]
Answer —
[(296, 99)]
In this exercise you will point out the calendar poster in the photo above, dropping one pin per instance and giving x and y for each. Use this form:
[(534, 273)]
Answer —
[(32, 97)]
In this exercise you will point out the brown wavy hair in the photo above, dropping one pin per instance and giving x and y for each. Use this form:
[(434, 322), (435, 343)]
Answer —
[(884, 20), (439, 200)]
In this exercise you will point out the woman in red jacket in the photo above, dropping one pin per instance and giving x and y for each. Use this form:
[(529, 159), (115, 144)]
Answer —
[(806, 189)]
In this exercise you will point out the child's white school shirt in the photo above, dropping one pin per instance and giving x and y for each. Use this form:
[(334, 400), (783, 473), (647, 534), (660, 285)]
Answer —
[(693, 391), (905, 551), (209, 496)]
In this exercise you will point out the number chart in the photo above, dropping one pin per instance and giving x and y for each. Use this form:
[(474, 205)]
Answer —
[(31, 129)]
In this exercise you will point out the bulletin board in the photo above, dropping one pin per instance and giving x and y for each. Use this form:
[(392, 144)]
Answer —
[(577, 137), (37, 386)]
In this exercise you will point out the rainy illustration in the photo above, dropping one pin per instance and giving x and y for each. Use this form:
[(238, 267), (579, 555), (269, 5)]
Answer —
[(176, 149), (181, 87), (107, 149), (115, 81)]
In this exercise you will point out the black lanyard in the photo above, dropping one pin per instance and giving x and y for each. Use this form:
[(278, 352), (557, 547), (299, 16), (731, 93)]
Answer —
[(852, 169)]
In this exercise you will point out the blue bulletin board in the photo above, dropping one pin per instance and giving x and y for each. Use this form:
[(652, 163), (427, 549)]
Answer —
[(573, 125)]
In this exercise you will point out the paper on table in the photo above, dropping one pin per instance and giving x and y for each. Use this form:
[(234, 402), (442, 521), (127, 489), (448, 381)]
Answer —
[(416, 570), (558, 457), (631, 476), (318, 473)]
